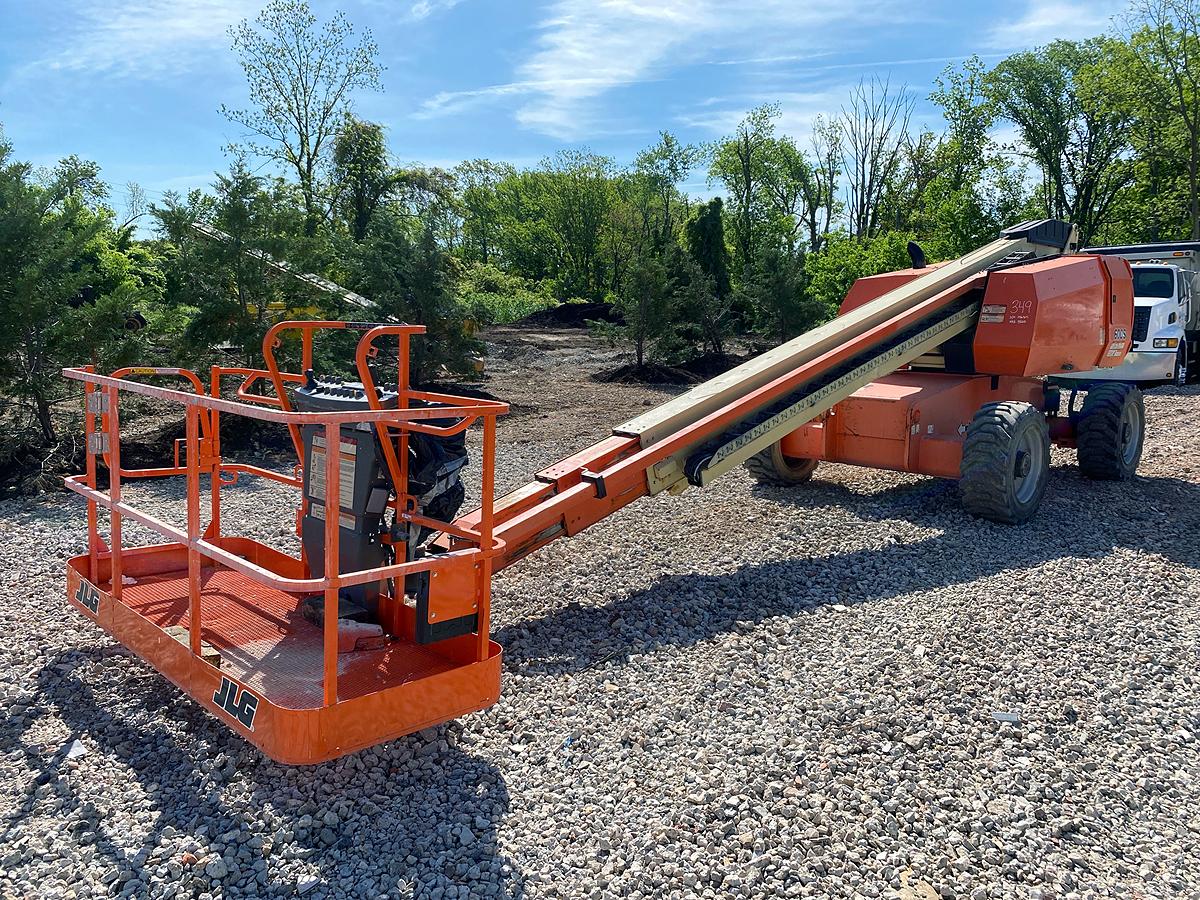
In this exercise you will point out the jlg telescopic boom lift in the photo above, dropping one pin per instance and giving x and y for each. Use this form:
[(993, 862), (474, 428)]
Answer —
[(380, 627)]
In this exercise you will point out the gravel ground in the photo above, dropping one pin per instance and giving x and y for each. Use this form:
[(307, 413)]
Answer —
[(743, 692)]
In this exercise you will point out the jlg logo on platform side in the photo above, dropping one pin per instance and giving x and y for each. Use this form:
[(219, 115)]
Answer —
[(237, 701), (88, 596)]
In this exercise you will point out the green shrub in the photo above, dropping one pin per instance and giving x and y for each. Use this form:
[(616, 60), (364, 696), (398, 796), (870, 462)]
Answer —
[(491, 296)]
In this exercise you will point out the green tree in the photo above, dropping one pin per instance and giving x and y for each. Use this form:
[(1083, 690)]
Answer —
[(778, 197), (845, 259), (739, 162), (482, 211), (362, 176), (790, 188), (429, 195), (1167, 47), (699, 310), (301, 78), (706, 244), (578, 203), (659, 170), (72, 288), (974, 190), (774, 290), (230, 295), (409, 278), (524, 237), (645, 305), (1072, 125)]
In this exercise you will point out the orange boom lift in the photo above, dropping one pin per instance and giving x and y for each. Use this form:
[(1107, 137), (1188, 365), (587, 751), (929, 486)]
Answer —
[(380, 626)]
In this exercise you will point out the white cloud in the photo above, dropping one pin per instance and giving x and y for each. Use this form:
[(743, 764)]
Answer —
[(1051, 20), (445, 102), (588, 48), (423, 9), (153, 37), (798, 111)]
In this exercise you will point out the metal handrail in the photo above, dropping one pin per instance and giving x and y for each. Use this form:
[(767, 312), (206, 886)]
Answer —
[(203, 410)]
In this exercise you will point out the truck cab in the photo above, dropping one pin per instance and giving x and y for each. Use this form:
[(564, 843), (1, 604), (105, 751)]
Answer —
[(1166, 316), (1162, 301)]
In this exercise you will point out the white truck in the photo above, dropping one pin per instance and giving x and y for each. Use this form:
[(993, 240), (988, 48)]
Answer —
[(1166, 315)]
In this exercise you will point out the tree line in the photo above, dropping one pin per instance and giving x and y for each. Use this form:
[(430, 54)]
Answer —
[(1104, 132)]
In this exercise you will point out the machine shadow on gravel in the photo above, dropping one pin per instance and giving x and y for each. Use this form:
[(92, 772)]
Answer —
[(681, 610), (418, 808), (1078, 516)]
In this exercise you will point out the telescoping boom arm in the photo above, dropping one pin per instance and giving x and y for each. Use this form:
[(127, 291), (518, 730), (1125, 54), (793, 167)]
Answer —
[(716, 426)]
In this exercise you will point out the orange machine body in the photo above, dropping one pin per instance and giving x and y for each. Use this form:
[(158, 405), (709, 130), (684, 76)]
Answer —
[(1060, 315), (867, 288), (1070, 313), (907, 421)]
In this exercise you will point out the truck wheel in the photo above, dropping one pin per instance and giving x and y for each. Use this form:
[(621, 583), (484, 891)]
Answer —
[(770, 466), (1181, 366), (1005, 462), (1110, 432)]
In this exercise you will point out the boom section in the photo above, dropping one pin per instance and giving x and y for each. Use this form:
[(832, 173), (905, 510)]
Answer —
[(705, 432)]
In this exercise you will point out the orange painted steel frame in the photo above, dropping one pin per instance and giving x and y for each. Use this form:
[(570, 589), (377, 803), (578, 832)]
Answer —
[(337, 727), (1057, 315), (567, 497), (907, 421)]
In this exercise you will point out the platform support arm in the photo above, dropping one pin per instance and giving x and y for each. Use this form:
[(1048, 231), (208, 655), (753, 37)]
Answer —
[(114, 487), (191, 431), (483, 592), (333, 510), (93, 512)]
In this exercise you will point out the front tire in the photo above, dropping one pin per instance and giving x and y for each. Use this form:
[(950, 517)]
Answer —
[(1111, 432), (770, 466), (1181, 366), (1005, 463)]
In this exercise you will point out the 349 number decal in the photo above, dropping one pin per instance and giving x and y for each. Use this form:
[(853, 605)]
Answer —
[(88, 596), (237, 701)]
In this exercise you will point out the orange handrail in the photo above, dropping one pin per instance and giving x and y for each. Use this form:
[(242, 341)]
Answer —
[(477, 545)]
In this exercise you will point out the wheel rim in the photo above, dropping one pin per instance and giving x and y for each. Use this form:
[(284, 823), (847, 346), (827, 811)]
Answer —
[(1029, 464), (1131, 431)]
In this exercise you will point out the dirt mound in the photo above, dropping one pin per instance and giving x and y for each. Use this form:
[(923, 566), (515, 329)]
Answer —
[(572, 315), (712, 364), (694, 370), (650, 373), (458, 390)]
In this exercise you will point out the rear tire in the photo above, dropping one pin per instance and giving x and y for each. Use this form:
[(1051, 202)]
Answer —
[(770, 466), (1005, 463), (1111, 432)]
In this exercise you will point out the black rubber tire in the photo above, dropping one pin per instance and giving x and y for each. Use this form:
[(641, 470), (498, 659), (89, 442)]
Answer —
[(1181, 366), (1112, 416), (770, 466), (990, 483)]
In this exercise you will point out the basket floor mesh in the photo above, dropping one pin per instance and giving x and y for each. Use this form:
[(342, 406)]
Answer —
[(266, 644)]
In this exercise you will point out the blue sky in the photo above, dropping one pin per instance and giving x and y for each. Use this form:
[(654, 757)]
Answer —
[(137, 87)]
